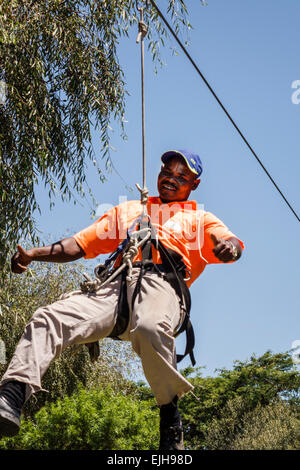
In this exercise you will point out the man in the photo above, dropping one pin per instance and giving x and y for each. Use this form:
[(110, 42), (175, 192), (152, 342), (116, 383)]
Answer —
[(156, 311)]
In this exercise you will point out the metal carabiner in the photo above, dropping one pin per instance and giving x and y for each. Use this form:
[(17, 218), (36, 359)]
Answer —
[(189, 275)]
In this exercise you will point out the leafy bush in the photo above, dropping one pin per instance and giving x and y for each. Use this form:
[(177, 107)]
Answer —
[(97, 419)]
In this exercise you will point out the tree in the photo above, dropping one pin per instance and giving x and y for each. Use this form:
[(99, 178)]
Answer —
[(59, 64), (224, 417), (275, 426), (258, 382)]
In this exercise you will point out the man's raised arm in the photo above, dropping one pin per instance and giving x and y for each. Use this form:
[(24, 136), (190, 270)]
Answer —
[(62, 251)]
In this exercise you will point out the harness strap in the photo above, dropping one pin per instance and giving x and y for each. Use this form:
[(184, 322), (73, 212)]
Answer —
[(112, 258), (190, 341), (174, 269), (123, 309), (176, 278)]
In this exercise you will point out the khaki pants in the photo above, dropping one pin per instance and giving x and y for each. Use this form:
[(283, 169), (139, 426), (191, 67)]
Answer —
[(85, 318)]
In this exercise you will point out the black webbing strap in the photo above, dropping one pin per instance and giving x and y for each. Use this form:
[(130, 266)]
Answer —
[(190, 341), (175, 272), (175, 269), (123, 309)]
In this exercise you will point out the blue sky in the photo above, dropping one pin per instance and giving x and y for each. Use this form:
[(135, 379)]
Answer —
[(249, 53)]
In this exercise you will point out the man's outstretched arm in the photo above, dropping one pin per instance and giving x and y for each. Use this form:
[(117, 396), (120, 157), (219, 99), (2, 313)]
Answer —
[(62, 251)]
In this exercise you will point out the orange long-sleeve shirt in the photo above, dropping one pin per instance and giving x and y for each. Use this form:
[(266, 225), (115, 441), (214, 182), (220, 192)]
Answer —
[(179, 225)]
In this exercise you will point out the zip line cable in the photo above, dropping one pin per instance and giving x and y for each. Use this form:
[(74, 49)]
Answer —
[(222, 106)]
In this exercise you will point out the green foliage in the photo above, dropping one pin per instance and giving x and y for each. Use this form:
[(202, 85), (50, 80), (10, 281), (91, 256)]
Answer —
[(20, 296), (258, 382), (90, 420), (253, 406), (275, 426), (59, 63)]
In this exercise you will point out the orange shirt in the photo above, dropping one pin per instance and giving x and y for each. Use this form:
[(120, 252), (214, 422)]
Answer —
[(180, 226)]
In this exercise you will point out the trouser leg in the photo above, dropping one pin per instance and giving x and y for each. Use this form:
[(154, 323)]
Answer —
[(75, 320), (153, 321)]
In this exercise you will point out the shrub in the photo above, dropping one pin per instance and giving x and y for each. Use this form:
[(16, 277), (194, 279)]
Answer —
[(96, 419)]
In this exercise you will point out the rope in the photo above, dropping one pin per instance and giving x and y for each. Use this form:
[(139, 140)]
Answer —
[(139, 237), (140, 39), (144, 194), (223, 108), (90, 286), (128, 257)]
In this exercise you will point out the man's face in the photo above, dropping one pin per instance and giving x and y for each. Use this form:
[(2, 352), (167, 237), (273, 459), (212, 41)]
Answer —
[(176, 180)]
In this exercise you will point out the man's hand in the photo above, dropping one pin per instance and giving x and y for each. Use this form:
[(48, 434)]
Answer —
[(226, 250), (20, 260)]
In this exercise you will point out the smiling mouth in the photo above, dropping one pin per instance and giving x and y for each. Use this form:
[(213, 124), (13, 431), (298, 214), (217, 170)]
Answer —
[(169, 186)]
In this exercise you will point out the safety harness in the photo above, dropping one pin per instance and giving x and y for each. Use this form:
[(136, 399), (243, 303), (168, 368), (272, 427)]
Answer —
[(141, 235), (172, 268)]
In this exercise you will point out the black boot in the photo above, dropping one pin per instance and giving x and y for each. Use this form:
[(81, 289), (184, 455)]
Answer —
[(12, 398), (171, 430)]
